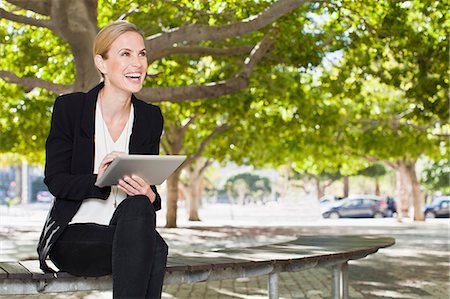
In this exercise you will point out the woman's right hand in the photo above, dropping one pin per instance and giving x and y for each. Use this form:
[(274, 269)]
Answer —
[(106, 162)]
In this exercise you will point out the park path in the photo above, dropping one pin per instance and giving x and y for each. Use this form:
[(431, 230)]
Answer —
[(417, 266)]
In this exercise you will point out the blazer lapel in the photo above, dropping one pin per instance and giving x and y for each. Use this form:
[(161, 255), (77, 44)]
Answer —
[(88, 117), (139, 133)]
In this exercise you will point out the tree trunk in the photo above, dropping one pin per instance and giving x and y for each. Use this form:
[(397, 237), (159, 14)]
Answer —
[(17, 199), (401, 191), (193, 200), (320, 189), (194, 186), (172, 199), (377, 186), (76, 23), (346, 182), (418, 198)]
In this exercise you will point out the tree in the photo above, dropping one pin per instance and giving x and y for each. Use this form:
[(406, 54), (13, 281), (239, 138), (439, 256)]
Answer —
[(380, 82), (197, 50), (185, 30), (380, 97), (392, 86), (193, 186), (374, 171), (247, 187), (187, 131), (436, 176)]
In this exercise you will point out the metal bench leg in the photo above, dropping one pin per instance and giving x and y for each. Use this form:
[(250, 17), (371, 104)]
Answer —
[(344, 273), (273, 286), (340, 281)]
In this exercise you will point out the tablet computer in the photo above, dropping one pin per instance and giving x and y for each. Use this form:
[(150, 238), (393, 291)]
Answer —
[(153, 169)]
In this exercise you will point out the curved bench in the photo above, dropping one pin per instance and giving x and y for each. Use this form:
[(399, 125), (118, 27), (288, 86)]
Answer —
[(303, 253)]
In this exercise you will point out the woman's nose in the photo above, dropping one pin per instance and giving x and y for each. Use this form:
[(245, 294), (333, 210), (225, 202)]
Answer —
[(137, 61)]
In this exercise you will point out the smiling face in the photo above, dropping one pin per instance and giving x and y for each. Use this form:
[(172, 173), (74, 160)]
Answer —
[(125, 64)]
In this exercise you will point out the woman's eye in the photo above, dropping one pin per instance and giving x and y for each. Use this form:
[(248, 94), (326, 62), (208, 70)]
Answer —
[(143, 54), (125, 54)]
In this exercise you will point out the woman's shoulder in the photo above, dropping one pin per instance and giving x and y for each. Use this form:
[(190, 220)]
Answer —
[(68, 97), (79, 98), (150, 108), (148, 115), (70, 104)]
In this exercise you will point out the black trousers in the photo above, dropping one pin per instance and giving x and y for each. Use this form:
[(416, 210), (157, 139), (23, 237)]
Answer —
[(129, 247)]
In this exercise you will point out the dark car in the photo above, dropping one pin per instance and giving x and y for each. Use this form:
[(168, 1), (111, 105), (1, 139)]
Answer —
[(358, 207), (439, 208)]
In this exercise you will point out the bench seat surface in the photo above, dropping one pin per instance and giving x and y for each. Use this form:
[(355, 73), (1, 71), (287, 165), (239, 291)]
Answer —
[(301, 253)]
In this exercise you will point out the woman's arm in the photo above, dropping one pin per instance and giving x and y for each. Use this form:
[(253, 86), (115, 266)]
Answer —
[(155, 147), (59, 178)]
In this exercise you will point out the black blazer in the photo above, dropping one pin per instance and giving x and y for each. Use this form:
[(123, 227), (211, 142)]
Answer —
[(70, 152)]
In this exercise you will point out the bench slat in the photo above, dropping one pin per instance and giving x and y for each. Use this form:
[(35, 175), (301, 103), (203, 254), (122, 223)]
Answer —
[(15, 270), (36, 272), (3, 274)]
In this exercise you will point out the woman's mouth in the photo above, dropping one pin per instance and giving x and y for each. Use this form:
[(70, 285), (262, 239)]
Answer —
[(134, 77)]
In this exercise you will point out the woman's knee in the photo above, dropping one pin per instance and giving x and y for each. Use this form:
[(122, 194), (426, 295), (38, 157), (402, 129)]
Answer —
[(134, 207), (137, 204)]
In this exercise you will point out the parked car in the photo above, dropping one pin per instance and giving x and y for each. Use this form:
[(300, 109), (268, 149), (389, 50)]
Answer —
[(329, 199), (358, 207), (439, 208), (44, 196)]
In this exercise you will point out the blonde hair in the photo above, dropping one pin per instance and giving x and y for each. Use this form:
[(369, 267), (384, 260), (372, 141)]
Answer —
[(108, 34)]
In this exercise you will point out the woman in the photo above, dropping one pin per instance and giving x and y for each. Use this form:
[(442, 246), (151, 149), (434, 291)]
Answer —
[(93, 231)]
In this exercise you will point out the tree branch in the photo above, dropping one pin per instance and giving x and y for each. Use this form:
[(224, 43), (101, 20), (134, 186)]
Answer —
[(396, 122), (200, 32), (38, 6), (31, 83), (204, 142), (207, 163), (185, 127), (199, 51), (26, 20), (210, 90), (128, 13), (165, 142)]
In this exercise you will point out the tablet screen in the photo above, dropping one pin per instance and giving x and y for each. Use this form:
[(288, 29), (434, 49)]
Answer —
[(152, 168)]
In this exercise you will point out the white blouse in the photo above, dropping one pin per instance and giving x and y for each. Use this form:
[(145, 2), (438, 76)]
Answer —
[(95, 210)]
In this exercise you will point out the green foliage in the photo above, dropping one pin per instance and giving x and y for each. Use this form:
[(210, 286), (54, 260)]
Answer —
[(436, 176), (345, 80), (35, 52), (374, 171), (25, 114), (250, 184), (24, 122), (390, 82)]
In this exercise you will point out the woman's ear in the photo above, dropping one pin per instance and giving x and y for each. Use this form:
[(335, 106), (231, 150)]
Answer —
[(100, 63)]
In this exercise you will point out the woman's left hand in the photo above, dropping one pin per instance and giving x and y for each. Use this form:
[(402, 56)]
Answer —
[(135, 185)]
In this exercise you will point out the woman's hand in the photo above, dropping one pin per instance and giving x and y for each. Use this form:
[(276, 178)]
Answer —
[(135, 185), (106, 162)]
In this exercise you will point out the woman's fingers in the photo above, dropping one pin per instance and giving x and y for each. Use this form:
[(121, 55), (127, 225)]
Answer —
[(107, 161), (135, 185)]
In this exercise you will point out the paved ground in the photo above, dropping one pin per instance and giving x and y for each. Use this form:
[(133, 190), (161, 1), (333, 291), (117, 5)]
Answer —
[(417, 266)]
